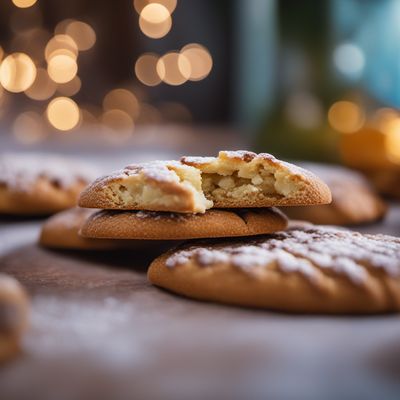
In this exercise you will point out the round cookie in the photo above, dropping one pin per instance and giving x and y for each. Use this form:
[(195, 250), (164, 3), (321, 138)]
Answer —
[(353, 199), (169, 226), (61, 231), (37, 184), (14, 310), (309, 269)]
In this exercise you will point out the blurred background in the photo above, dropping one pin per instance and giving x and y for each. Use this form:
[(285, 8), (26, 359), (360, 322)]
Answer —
[(310, 79)]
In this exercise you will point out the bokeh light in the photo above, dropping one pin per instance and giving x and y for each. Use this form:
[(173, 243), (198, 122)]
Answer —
[(170, 5), (146, 69), (117, 120), (17, 72), (42, 88), (155, 20), (118, 125), (61, 44), (62, 68), (63, 113), (174, 68), (349, 59), (28, 128), (70, 88), (200, 61), (61, 27), (24, 3), (391, 129), (346, 116), (82, 34), (121, 99)]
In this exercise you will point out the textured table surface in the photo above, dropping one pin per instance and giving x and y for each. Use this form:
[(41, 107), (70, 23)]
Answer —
[(100, 330)]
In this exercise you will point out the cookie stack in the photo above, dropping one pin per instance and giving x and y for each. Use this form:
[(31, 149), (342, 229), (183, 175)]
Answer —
[(231, 195), (263, 261)]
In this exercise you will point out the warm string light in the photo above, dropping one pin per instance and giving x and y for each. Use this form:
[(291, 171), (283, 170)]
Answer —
[(346, 116), (63, 113), (117, 121), (387, 121), (61, 44), (174, 68), (123, 100), (200, 61), (193, 62), (82, 34), (155, 20), (24, 72), (146, 69), (24, 3), (42, 88), (62, 68), (17, 72), (170, 5)]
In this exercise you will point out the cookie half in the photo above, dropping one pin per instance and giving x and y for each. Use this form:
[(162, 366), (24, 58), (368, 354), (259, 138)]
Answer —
[(353, 199), (174, 226), (14, 310), (37, 184), (307, 270), (234, 179)]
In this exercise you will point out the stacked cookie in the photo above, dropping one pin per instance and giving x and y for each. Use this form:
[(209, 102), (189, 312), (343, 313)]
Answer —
[(261, 262), (198, 197)]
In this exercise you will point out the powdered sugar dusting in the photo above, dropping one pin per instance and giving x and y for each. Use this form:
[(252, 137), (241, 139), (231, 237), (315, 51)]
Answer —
[(197, 160), (21, 171), (307, 251), (159, 171)]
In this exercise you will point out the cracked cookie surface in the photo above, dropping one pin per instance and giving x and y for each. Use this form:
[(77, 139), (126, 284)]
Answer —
[(305, 269)]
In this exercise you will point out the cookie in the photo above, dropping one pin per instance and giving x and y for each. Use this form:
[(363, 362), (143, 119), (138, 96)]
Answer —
[(174, 226), (309, 269), (37, 184), (234, 179), (353, 199), (61, 231), (14, 310)]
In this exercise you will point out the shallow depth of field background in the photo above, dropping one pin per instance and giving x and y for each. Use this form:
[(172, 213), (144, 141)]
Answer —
[(306, 79)]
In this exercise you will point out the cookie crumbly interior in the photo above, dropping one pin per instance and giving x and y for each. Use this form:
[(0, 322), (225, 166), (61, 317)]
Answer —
[(229, 179), (202, 183), (142, 188)]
